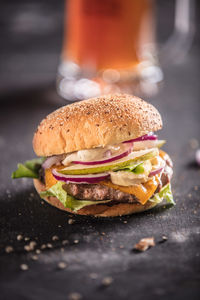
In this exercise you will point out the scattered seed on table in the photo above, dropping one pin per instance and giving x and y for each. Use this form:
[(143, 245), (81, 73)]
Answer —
[(19, 237), (24, 267), (71, 221), (74, 296), (107, 280), (55, 238), (93, 275), (65, 242), (62, 265), (34, 257), (9, 249)]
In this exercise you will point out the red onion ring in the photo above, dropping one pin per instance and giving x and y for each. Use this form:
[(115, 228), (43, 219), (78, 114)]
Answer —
[(104, 161), (145, 137), (155, 172), (91, 178)]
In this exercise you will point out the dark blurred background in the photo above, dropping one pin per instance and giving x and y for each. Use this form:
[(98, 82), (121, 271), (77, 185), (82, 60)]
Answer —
[(31, 40)]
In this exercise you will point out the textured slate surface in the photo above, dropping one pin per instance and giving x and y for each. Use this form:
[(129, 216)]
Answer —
[(104, 247)]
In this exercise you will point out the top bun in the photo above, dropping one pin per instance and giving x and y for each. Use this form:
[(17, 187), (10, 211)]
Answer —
[(95, 122)]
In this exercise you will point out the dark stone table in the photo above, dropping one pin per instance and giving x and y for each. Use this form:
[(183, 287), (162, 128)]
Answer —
[(79, 257)]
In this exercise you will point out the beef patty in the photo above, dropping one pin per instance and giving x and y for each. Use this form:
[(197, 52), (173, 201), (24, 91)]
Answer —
[(96, 192)]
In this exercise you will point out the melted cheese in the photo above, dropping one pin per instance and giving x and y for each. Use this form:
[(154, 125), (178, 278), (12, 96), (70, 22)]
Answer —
[(142, 191), (49, 178), (163, 154)]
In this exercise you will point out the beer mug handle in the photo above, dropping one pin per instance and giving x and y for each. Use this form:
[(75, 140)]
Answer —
[(178, 44)]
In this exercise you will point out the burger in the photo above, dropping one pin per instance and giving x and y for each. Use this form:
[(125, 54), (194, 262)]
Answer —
[(101, 157)]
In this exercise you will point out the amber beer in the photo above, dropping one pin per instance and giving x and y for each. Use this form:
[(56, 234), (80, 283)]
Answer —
[(107, 34)]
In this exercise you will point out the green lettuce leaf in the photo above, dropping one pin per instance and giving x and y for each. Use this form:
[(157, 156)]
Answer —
[(29, 169), (165, 193), (68, 201)]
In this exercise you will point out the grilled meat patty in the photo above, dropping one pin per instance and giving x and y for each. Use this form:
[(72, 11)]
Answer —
[(98, 192)]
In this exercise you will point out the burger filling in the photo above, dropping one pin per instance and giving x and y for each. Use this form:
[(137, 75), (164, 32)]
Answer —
[(135, 171), (104, 190)]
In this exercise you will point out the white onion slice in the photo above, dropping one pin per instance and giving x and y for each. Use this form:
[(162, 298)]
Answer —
[(88, 179), (52, 160)]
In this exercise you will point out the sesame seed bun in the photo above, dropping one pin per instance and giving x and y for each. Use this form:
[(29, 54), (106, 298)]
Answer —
[(99, 210), (95, 122)]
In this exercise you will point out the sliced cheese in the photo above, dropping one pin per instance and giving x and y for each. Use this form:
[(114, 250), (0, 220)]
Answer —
[(142, 191), (49, 178)]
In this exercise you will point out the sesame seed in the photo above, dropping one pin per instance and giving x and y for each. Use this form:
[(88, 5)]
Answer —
[(93, 275), (107, 280), (55, 238), (164, 239), (65, 242), (71, 221), (24, 267), (62, 265), (34, 257), (74, 296), (27, 248), (30, 246), (9, 249), (19, 237)]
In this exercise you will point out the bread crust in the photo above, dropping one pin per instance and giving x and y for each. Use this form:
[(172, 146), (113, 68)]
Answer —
[(95, 122), (99, 210)]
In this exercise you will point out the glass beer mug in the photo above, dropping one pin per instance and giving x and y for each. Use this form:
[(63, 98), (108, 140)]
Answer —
[(110, 46)]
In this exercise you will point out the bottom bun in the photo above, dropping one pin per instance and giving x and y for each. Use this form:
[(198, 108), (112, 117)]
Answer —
[(99, 210)]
